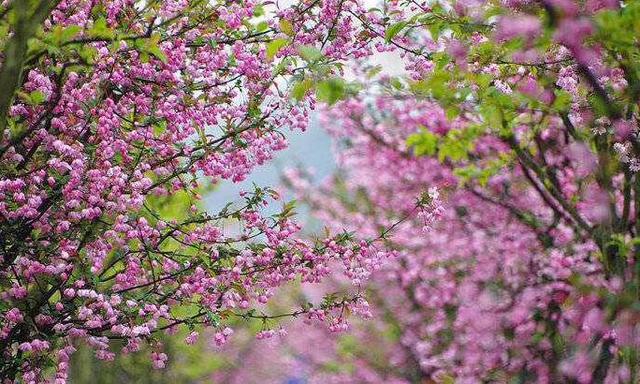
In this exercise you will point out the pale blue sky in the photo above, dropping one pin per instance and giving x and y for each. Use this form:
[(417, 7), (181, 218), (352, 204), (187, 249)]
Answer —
[(311, 149)]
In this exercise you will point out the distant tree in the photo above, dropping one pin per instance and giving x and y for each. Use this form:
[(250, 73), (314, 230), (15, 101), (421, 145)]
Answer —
[(525, 115)]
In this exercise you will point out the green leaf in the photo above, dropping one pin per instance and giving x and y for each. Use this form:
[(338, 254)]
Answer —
[(441, 59), (258, 10), (153, 48), (150, 46), (100, 30), (330, 91), (32, 98), (598, 105), (437, 85), (213, 318), (88, 53), (562, 101), (393, 30), (309, 53), (288, 210), (262, 26), (300, 89), (452, 112), (435, 29), (371, 73), (448, 380), (61, 35), (160, 128), (286, 27), (396, 83), (37, 97), (274, 46), (457, 144), (423, 143)]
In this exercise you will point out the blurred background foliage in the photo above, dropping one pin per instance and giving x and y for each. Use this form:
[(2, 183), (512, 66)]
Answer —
[(187, 364)]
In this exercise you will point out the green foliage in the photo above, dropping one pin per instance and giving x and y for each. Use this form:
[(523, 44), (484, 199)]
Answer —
[(32, 98), (474, 173), (423, 143), (455, 146), (301, 88), (101, 30), (562, 101), (61, 35), (262, 26), (24, 18), (619, 29), (309, 53), (174, 207), (331, 91), (186, 364), (286, 27), (371, 73), (150, 47), (394, 29), (436, 85), (288, 210), (498, 111), (275, 46), (458, 143)]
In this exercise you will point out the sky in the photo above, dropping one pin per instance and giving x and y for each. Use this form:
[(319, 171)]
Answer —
[(310, 150)]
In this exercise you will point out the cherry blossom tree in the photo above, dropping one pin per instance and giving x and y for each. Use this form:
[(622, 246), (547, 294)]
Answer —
[(110, 110)]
